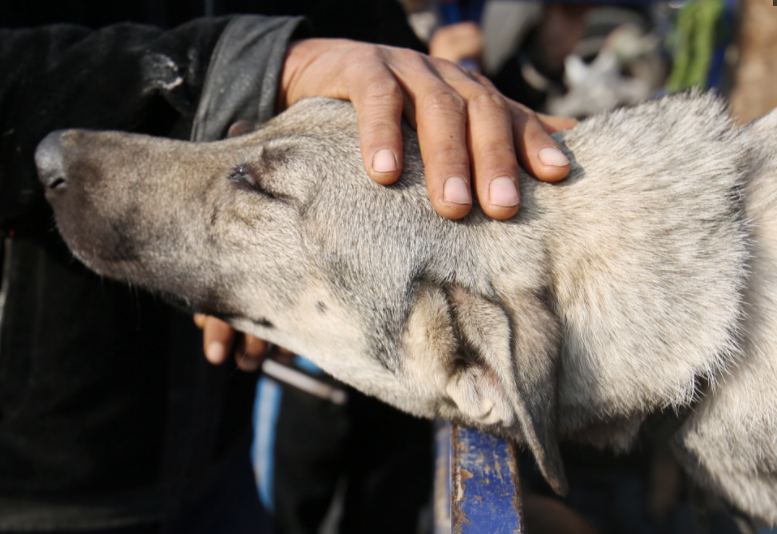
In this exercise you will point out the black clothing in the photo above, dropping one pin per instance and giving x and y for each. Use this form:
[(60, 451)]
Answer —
[(373, 21), (108, 411)]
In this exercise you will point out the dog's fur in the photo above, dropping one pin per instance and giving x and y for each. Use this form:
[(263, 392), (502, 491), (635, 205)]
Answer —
[(645, 281)]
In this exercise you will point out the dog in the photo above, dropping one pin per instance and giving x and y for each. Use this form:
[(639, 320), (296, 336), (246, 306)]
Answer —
[(644, 282)]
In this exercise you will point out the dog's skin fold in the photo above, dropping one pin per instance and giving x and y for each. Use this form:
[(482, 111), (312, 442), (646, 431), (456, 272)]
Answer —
[(615, 294)]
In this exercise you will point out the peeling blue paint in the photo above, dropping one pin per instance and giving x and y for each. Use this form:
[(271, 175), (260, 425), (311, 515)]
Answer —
[(486, 494)]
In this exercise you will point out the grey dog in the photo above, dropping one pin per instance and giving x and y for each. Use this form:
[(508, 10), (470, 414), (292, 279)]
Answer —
[(646, 281)]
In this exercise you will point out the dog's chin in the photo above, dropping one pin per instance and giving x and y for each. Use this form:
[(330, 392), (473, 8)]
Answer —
[(100, 260), (97, 246), (127, 271), (118, 270)]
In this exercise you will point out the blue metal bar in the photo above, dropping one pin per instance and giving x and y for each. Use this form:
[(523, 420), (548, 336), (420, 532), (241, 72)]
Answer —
[(481, 472)]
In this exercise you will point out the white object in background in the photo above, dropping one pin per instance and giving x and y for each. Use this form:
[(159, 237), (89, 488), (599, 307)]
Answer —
[(301, 381)]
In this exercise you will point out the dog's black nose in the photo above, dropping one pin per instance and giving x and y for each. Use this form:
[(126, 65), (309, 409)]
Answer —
[(48, 158)]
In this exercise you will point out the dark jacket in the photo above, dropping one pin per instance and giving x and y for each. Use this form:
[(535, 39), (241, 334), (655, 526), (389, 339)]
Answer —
[(108, 411)]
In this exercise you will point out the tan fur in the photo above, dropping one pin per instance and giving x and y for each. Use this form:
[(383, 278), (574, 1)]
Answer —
[(730, 442)]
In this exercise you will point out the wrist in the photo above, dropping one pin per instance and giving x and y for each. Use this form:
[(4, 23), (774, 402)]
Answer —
[(288, 74), (296, 81)]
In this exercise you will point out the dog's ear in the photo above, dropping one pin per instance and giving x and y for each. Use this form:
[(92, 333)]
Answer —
[(496, 364), (510, 372)]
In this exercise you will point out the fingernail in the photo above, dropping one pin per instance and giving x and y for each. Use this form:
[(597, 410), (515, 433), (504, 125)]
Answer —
[(552, 157), (502, 192), (216, 352), (456, 190), (384, 161)]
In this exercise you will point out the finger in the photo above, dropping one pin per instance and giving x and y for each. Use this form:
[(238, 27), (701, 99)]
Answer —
[(378, 101), (250, 353), (494, 162), (218, 338), (255, 347), (199, 320), (539, 154), (441, 116), (283, 355), (553, 124)]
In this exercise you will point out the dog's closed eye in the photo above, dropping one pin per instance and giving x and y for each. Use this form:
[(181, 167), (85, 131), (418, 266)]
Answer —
[(246, 175)]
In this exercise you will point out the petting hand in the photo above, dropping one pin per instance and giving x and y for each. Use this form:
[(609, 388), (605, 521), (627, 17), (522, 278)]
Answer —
[(219, 339), (468, 132)]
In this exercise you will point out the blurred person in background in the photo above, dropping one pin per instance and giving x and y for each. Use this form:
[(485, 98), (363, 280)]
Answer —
[(564, 58)]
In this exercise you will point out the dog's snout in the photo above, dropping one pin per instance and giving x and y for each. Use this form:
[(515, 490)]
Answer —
[(48, 159)]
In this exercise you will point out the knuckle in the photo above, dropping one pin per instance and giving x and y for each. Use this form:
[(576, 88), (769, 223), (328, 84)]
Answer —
[(497, 154), (379, 133), (362, 61), (449, 159), (450, 71), (402, 54), (483, 80), (363, 53), (442, 64), (385, 90), (489, 101), (379, 124), (445, 100), (498, 163)]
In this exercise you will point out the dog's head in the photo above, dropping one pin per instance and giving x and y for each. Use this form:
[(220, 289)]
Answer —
[(281, 233)]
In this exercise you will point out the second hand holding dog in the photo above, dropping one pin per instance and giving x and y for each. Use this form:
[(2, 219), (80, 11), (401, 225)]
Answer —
[(469, 134)]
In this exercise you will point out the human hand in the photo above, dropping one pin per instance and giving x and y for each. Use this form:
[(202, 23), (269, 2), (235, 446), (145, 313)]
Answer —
[(219, 340), (468, 132), (456, 42)]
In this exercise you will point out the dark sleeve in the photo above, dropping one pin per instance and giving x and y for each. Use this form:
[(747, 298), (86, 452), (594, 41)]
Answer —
[(123, 77), (374, 21), (245, 69)]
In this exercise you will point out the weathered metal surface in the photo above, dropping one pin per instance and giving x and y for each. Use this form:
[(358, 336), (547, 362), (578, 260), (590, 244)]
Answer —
[(486, 495)]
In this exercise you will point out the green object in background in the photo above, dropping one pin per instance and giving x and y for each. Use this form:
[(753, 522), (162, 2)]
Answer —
[(693, 43)]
